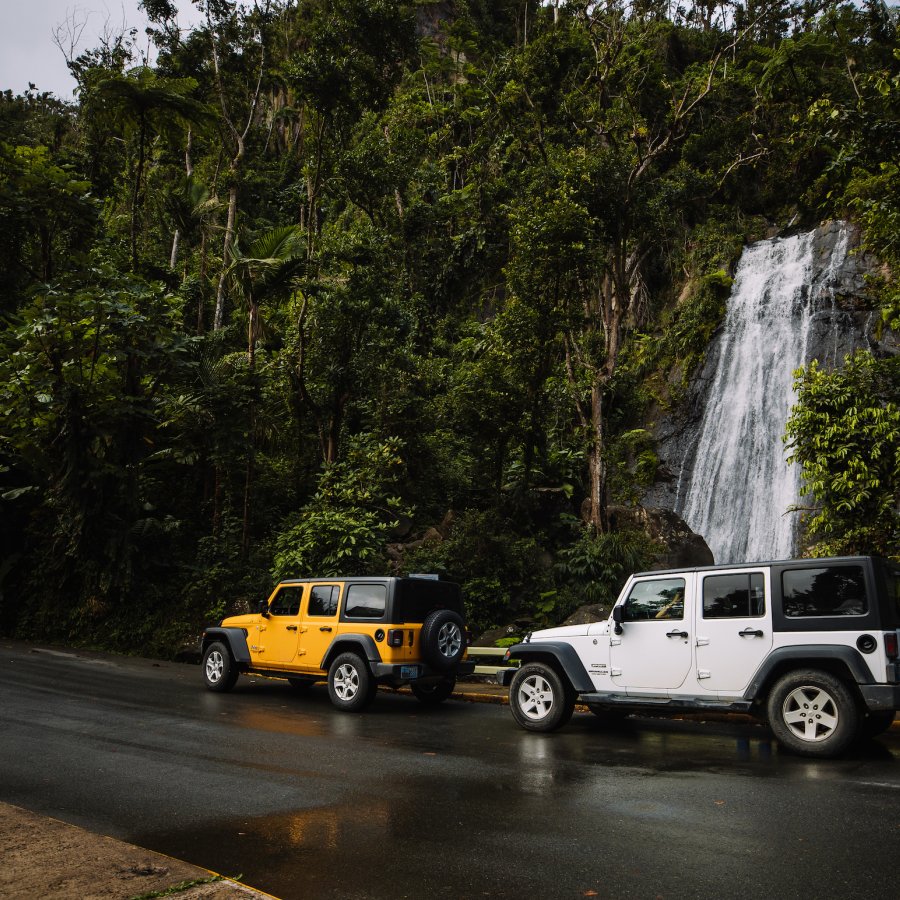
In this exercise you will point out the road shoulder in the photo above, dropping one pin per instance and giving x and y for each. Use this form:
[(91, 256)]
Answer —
[(44, 857)]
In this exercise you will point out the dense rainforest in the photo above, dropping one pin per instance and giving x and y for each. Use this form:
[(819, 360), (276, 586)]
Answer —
[(371, 286)]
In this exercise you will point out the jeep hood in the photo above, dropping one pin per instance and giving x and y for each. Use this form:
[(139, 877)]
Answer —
[(563, 632), (240, 621)]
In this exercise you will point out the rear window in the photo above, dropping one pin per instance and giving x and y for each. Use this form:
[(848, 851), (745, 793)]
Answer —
[(365, 601), (734, 596), (323, 600), (824, 591)]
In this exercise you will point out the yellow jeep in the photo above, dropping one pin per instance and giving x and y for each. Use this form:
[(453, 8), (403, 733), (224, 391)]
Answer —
[(356, 633)]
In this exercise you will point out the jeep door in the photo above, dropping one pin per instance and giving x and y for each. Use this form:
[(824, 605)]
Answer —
[(733, 627), (278, 633), (319, 625), (653, 654)]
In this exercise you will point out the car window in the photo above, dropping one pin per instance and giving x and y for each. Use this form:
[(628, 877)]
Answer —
[(661, 598), (824, 591), (365, 601), (287, 601), (734, 596), (323, 600)]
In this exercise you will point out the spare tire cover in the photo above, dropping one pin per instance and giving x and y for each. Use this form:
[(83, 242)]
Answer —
[(443, 639)]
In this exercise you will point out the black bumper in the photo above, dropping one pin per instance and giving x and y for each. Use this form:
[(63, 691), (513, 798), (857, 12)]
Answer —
[(401, 672), (881, 696)]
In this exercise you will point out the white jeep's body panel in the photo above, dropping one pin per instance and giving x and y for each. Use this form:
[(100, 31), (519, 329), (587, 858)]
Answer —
[(694, 656), (812, 645)]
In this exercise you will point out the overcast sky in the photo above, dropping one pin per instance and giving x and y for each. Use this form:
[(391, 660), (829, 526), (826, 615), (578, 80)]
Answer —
[(27, 51)]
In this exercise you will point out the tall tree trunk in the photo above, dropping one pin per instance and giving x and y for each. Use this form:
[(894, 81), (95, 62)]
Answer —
[(136, 192), (201, 299), (248, 484), (173, 256), (189, 171), (219, 319), (597, 462), (252, 331)]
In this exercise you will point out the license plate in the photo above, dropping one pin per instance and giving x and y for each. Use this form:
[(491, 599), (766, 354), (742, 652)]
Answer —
[(409, 671)]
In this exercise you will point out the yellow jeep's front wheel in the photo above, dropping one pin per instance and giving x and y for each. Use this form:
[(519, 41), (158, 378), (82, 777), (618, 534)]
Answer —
[(219, 669)]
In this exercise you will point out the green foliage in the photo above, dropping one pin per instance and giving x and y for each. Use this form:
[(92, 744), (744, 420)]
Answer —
[(595, 566), (80, 376), (504, 574), (844, 432), (48, 217), (344, 527), (457, 253)]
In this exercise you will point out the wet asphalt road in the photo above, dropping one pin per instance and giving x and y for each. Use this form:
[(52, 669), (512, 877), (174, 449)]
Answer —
[(457, 802)]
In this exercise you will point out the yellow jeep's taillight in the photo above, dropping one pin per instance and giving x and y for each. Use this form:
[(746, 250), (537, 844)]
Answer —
[(395, 637)]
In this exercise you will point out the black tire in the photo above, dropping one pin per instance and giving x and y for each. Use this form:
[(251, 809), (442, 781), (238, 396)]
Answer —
[(350, 683), (540, 698), (812, 713), (443, 639), (431, 693), (877, 722), (220, 671), (301, 683)]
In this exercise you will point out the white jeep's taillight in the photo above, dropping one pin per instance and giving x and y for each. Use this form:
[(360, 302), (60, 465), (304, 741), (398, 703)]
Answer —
[(890, 645)]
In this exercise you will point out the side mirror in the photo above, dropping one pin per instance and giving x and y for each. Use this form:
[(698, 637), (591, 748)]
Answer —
[(618, 615), (263, 608)]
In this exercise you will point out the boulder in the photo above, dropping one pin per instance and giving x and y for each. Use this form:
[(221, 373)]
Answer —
[(681, 547)]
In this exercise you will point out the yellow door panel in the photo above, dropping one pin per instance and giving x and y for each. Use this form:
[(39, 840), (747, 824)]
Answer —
[(279, 633), (318, 624)]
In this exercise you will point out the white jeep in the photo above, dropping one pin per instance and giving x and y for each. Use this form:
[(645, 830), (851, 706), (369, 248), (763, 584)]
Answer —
[(809, 645)]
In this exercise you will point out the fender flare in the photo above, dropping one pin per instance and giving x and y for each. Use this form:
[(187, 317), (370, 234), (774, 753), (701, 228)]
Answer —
[(363, 642), (563, 654), (808, 654), (234, 638)]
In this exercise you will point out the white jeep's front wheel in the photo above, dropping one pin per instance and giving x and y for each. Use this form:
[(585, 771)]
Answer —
[(540, 698)]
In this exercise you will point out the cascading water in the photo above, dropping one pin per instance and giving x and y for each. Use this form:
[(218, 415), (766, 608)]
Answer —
[(741, 484)]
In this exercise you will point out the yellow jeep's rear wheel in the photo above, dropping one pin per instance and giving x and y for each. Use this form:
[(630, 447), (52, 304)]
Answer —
[(433, 692), (351, 686)]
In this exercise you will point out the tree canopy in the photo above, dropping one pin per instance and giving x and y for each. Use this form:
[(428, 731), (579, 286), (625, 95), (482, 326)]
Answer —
[(382, 286)]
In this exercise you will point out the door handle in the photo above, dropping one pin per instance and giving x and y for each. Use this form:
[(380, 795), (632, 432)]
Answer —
[(324, 628), (678, 634), (750, 632), (290, 627)]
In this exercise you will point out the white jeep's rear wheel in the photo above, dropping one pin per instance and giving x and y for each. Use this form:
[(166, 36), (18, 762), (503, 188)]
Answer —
[(813, 713)]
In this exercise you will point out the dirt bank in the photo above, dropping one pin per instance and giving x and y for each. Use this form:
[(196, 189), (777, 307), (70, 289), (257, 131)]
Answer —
[(46, 858)]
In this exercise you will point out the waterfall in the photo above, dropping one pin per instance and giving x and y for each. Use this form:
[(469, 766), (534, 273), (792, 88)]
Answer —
[(740, 485)]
